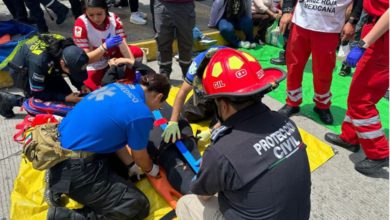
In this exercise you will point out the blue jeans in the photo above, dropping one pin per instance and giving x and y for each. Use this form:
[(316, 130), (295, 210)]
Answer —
[(227, 28), (196, 33)]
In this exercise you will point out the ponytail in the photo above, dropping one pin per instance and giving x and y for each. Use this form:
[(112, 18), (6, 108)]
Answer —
[(157, 83)]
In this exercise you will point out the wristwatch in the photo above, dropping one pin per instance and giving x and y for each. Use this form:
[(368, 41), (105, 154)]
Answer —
[(362, 44), (353, 20), (287, 10)]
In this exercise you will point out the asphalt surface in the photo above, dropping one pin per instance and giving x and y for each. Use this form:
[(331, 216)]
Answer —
[(338, 191)]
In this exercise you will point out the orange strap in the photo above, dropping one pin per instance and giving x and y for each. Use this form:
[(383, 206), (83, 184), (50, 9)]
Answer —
[(164, 188)]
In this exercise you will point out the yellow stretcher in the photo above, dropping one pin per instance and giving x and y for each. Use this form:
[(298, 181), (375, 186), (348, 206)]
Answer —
[(27, 201)]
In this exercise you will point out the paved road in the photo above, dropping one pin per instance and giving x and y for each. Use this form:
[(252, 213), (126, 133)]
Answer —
[(338, 191)]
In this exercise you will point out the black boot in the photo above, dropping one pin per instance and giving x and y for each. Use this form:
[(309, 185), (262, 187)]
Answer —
[(325, 115), (281, 60), (335, 139), (62, 213), (345, 70), (368, 166), (62, 16), (287, 110), (7, 102)]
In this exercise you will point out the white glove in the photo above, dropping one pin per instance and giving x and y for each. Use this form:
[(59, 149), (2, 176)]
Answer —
[(155, 171), (134, 170)]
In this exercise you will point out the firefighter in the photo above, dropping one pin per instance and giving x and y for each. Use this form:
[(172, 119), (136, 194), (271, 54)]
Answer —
[(257, 161)]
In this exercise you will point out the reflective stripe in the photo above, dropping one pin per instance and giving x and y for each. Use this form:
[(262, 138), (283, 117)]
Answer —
[(50, 3), (326, 101), (36, 88), (370, 134), (295, 98), (323, 96), (366, 122), (185, 62), (347, 119), (82, 45), (81, 40), (299, 90), (164, 63), (295, 95)]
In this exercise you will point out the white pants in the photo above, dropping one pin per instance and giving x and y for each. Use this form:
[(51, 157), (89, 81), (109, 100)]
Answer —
[(192, 208)]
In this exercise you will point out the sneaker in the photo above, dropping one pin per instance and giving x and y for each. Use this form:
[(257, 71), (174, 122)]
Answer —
[(260, 42), (62, 17), (136, 19), (325, 115), (176, 57), (141, 14), (244, 44), (368, 166), (288, 111), (345, 70), (336, 140), (252, 45), (207, 41)]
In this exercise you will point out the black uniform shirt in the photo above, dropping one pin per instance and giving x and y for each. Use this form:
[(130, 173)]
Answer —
[(44, 74), (258, 167)]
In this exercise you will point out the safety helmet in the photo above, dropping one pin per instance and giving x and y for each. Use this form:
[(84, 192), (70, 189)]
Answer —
[(233, 73)]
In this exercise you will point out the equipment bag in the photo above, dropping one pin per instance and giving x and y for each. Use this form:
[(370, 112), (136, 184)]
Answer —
[(42, 147), (35, 106)]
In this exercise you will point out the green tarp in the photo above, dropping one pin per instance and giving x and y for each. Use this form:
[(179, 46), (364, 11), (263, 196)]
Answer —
[(339, 89)]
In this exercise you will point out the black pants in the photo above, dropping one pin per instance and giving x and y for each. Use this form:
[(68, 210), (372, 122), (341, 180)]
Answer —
[(17, 9), (104, 194), (76, 8), (262, 21)]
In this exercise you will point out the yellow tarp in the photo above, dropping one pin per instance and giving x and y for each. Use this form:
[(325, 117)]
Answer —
[(27, 200)]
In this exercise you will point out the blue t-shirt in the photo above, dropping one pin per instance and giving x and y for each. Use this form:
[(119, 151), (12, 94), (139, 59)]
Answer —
[(191, 73), (108, 119)]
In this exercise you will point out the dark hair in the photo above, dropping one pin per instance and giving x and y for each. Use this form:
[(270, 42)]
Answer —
[(94, 4), (156, 82), (55, 44)]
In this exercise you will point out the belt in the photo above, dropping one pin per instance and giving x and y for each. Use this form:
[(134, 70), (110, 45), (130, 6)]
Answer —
[(80, 154)]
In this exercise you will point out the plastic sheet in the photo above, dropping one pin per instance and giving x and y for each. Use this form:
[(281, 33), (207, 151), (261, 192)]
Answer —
[(27, 201)]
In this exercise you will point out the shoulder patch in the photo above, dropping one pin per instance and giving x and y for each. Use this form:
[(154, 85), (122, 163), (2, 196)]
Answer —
[(220, 132), (78, 31), (38, 78)]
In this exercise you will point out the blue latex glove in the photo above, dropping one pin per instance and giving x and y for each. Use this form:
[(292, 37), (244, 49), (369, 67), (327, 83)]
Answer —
[(354, 56), (113, 41)]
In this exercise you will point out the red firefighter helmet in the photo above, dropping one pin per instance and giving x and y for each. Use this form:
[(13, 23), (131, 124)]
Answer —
[(234, 73)]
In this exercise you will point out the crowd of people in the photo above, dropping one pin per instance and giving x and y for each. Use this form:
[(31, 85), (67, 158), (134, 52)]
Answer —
[(256, 166)]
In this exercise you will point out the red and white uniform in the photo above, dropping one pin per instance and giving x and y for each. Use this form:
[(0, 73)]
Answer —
[(370, 81), (315, 30), (88, 36)]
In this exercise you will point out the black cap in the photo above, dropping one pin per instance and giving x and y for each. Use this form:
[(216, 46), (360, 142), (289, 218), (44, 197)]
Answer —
[(76, 60)]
